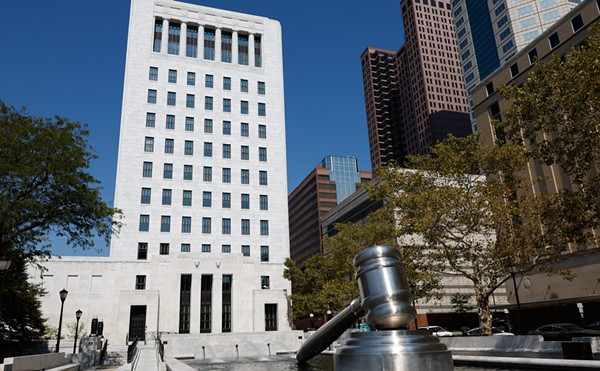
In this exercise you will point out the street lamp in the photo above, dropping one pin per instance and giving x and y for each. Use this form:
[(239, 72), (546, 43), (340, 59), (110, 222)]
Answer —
[(512, 269), (312, 321), (78, 315), (63, 295), (329, 315), (4, 264)]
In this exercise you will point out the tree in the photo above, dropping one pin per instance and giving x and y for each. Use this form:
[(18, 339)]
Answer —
[(556, 114), (45, 186), (460, 302), (328, 281), (465, 223)]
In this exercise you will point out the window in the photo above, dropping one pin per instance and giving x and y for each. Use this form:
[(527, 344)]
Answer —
[(171, 98), (226, 42), (147, 170), (153, 75), (525, 10), (261, 88), (164, 249), (226, 105), (243, 49), (205, 303), (532, 56), (146, 195), (554, 40), (262, 154), (157, 36), (208, 81), (226, 249), (552, 15), (262, 177), (205, 247), (226, 175), (149, 144), (226, 202), (186, 224), (245, 176), (226, 150), (206, 225), (245, 226), (514, 70), (140, 282), (191, 49), (262, 131), (504, 34), (226, 226), (207, 174), (150, 119), (170, 122), (226, 127), (173, 76), (577, 23), (188, 172), (244, 129), (262, 109), (187, 198), (144, 223), (186, 247), (168, 171), (226, 83), (243, 107), (142, 251), (206, 199), (169, 144), (166, 196), (209, 44), (528, 36), (245, 250), (207, 149), (264, 227), (245, 201), (526, 23), (174, 32), (165, 223), (208, 126), (270, 317), (244, 86), (189, 100), (208, 103), (245, 153), (506, 47), (257, 52), (264, 202), (189, 124), (151, 96), (265, 282), (188, 147), (191, 78)]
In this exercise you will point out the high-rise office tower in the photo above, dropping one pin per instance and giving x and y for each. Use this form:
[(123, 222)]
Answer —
[(490, 32), (330, 183), (415, 97)]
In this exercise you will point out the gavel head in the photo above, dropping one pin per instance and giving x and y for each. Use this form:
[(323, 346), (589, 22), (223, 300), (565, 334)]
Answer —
[(386, 298)]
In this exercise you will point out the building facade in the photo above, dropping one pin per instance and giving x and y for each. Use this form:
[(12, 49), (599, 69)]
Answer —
[(332, 181), (201, 181), (415, 97)]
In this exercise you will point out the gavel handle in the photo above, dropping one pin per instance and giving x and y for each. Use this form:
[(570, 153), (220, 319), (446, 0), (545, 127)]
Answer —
[(330, 331)]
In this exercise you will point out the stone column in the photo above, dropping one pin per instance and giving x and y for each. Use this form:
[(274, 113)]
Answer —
[(218, 45), (200, 41), (164, 41), (251, 50), (183, 38), (234, 47)]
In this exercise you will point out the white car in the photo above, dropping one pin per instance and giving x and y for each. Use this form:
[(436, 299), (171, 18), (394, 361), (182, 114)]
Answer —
[(437, 330)]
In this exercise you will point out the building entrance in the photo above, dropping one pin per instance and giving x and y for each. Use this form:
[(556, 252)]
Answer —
[(137, 322)]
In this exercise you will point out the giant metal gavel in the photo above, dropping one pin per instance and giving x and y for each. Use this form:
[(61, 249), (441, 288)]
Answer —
[(385, 300)]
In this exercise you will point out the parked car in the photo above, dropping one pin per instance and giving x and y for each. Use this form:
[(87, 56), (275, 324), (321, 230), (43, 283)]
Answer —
[(436, 330), (495, 332), (563, 331), (594, 326)]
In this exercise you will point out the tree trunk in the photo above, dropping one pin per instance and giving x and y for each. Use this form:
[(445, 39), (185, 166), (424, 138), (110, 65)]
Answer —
[(483, 309)]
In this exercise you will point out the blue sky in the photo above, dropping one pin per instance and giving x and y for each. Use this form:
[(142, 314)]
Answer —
[(67, 58)]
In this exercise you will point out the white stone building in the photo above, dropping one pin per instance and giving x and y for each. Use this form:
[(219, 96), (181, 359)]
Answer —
[(201, 181)]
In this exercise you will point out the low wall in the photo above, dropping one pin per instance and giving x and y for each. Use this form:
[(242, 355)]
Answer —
[(36, 362), (205, 346)]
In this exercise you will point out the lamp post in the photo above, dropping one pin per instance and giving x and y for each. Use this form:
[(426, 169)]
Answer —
[(4, 265), (63, 295), (512, 269), (78, 315), (312, 321), (329, 315)]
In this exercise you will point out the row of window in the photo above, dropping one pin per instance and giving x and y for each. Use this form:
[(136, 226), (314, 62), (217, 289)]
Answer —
[(188, 149), (164, 249), (190, 102), (186, 225), (140, 282), (209, 81), (207, 172), (208, 125), (207, 199)]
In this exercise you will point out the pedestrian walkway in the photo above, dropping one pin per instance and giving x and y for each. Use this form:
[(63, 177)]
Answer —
[(147, 359)]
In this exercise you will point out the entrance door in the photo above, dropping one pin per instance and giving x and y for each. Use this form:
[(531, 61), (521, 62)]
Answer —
[(137, 322)]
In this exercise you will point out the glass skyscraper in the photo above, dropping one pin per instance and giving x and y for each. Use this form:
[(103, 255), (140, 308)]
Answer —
[(343, 170)]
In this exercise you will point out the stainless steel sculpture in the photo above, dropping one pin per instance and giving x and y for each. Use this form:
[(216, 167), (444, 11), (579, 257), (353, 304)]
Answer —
[(385, 301)]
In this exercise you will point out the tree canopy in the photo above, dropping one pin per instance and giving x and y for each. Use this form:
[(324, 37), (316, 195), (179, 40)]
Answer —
[(45, 186)]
